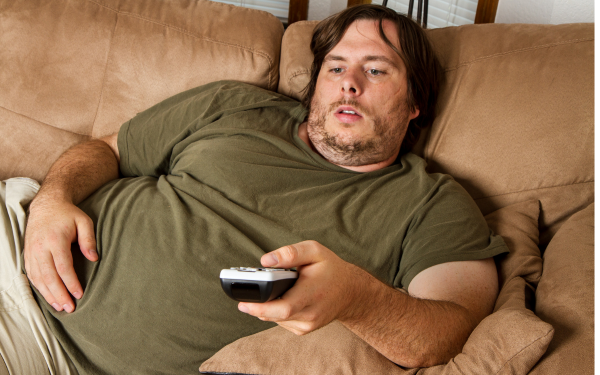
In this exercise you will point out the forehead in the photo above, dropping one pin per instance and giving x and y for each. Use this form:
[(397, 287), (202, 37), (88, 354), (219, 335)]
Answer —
[(362, 38)]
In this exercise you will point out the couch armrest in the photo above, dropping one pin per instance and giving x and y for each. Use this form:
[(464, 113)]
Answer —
[(565, 297)]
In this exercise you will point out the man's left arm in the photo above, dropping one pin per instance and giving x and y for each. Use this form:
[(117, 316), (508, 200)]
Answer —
[(426, 327)]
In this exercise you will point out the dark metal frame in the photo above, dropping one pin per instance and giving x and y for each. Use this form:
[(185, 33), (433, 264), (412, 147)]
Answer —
[(422, 7)]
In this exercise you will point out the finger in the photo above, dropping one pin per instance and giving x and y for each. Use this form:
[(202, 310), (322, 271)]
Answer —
[(274, 311), (299, 328), (34, 275), (296, 255), (293, 330), (50, 271), (63, 261), (86, 237)]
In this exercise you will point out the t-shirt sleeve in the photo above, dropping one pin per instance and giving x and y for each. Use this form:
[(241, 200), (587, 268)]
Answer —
[(150, 142), (146, 142), (448, 227)]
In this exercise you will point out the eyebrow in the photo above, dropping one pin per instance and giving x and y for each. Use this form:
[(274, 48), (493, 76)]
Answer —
[(366, 58)]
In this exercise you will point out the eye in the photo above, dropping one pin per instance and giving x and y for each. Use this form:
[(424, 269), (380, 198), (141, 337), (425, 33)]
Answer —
[(375, 72), (336, 70)]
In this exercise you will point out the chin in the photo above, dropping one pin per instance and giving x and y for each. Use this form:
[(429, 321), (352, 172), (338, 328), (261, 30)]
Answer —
[(351, 132)]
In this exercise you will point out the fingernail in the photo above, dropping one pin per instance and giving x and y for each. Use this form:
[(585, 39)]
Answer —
[(93, 252), (56, 306), (270, 260), (77, 295), (244, 308), (68, 308)]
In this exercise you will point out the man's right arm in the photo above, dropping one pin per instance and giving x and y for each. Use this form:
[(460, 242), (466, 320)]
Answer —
[(55, 221)]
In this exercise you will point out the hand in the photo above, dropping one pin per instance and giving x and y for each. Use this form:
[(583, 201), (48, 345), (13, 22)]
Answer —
[(326, 289), (51, 228)]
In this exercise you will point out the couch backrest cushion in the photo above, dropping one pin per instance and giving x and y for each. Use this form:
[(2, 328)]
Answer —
[(296, 58), (72, 69), (516, 113)]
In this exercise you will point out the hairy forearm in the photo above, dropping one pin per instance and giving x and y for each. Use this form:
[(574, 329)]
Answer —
[(55, 222), (409, 331), (79, 172)]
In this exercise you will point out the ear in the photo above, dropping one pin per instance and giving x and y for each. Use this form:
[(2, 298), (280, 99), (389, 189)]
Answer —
[(414, 114)]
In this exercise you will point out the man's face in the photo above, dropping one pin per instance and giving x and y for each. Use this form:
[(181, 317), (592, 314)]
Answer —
[(359, 112)]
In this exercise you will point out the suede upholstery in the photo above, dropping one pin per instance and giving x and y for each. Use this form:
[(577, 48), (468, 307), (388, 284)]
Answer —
[(515, 120), (75, 69), (565, 297)]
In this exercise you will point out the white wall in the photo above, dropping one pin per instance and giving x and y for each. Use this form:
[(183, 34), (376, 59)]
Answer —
[(321, 9), (545, 11)]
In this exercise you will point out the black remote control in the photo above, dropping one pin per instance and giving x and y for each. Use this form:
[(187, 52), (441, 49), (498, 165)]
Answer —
[(248, 284)]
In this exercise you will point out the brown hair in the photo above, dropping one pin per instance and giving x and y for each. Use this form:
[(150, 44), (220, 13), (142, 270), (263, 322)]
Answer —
[(423, 71)]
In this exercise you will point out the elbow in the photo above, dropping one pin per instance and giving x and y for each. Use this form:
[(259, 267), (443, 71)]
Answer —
[(437, 350), (427, 359), (412, 363)]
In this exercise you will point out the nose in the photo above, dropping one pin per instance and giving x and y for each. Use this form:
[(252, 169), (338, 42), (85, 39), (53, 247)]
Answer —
[(351, 85)]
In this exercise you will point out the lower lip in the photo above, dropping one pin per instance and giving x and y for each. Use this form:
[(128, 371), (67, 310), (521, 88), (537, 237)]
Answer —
[(347, 118)]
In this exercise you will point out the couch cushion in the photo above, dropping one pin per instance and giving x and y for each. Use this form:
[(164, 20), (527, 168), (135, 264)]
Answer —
[(516, 116), (296, 59), (518, 225), (86, 66), (510, 341), (507, 342), (565, 297)]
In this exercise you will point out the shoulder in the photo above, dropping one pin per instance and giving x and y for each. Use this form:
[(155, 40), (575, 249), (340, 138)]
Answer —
[(415, 167), (225, 94), (235, 89)]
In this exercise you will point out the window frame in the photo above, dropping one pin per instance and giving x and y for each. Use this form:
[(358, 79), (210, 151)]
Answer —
[(486, 10)]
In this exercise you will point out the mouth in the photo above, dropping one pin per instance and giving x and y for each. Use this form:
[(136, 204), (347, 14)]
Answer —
[(347, 114)]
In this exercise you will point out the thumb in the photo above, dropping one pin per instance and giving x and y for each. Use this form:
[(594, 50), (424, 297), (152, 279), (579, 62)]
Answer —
[(296, 255), (86, 237)]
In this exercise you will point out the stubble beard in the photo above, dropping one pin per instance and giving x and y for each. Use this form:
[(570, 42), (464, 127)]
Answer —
[(389, 131)]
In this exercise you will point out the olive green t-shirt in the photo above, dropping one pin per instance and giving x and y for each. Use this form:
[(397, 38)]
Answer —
[(215, 177)]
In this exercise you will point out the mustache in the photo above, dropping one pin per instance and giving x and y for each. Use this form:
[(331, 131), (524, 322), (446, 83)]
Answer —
[(349, 102)]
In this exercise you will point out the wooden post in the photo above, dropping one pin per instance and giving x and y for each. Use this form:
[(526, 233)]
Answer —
[(352, 3), (298, 11), (486, 11)]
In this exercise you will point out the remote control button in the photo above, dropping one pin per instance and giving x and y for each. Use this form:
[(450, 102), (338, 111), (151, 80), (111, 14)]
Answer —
[(248, 269)]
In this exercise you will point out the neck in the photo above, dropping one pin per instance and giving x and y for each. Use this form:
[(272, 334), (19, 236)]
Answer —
[(303, 134)]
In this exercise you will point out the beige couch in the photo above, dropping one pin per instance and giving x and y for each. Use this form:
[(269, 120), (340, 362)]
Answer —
[(515, 128)]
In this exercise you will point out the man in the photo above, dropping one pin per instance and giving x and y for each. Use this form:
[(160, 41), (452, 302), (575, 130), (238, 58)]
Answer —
[(220, 175)]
